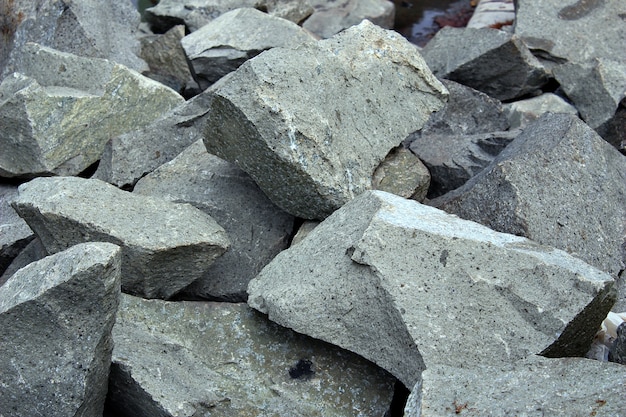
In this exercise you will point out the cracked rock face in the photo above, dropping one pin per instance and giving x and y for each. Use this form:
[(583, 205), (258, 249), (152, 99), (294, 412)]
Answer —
[(312, 124)]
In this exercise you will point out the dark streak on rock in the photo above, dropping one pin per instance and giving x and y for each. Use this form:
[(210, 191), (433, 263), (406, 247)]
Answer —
[(580, 9)]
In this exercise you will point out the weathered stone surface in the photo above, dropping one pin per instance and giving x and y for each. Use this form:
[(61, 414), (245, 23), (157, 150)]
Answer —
[(617, 353), (403, 174), (331, 17), (533, 387), (258, 229), (613, 130), (56, 317), (311, 125), (294, 10), (384, 277), (461, 139), (89, 28), (14, 232), (489, 60), (231, 361), (130, 156), (223, 44), (59, 114), (165, 246), (521, 113), (557, 183), (32, 252)]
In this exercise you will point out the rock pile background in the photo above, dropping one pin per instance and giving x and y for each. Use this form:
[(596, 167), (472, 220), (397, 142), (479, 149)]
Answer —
[(276, 207)]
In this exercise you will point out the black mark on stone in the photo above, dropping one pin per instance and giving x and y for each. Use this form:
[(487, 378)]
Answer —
[(444, 257), (580, 9), (302, 370)]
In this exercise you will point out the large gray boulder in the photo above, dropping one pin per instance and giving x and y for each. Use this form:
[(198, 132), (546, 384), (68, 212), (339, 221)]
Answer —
[(56, 317), (258, 229), (534, 387), (64, 108), (165, 246), (89, 28), (557, 183), (14, 232), (311, 124), (231, 361), (223, 44), (489, 60), (408, 286)]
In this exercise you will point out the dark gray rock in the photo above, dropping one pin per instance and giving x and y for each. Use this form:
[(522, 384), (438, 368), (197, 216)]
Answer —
[(89, 28), (617, 353), (64, 108), (435, 288), (557, 183), (231, 361), (522, 112), (489, 60), (165, 246), (223, 44), (613, 130), (56, 317), (403, 174), (533, 387), (32, 252), (14, 232), (258, 229), (311, 125)]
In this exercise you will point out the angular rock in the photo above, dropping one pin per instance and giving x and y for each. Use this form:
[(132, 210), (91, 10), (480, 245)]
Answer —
[(617, 353), (258, 229), (14, 232), (558, 183), (64, 108), (532, 387), (521, 113), (613, 130), (332, 17), (403, 174), (89, 28), (294, 10), (32, 252), (311, 125), (488, 60), (401, 284), (232, 361), (165, 246), (56, 317), (223, 44)]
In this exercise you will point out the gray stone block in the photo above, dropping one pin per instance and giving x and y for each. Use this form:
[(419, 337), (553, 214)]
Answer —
[(14, 232)]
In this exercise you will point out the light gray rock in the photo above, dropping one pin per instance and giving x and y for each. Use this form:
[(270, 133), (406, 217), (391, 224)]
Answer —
[(229, 360), (56, 317), (557, 183), (223, 44), (89, 28), (533, 387), (521, 113), (64, 108), (488, 60), (311, 125), (14, 232), (332, 17), (165, 246), (402, 173), (408, 286), (294, 10), (258, 229), (32, 252)]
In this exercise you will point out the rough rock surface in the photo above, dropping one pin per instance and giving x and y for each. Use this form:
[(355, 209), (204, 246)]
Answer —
[(532, 387), (56, 317), (231, 361), (535, 187), (403, 174), (258, 229), (32, 252), (522, 112), (223, 44), (89, 28), (400, 283), (64, 108), (14, 232), (165, 246), (489, 60), (311, 125)]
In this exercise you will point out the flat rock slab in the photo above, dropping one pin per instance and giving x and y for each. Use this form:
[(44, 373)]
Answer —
[(533, 387), (258, 229), (165, 246), (558, 183), (56, 317), (64, 108), (230, 360), (408, 286), (222, 45), (488, 60), (311, 125)]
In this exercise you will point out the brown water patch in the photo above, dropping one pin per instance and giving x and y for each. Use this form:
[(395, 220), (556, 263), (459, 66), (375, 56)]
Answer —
[(579, 9)]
